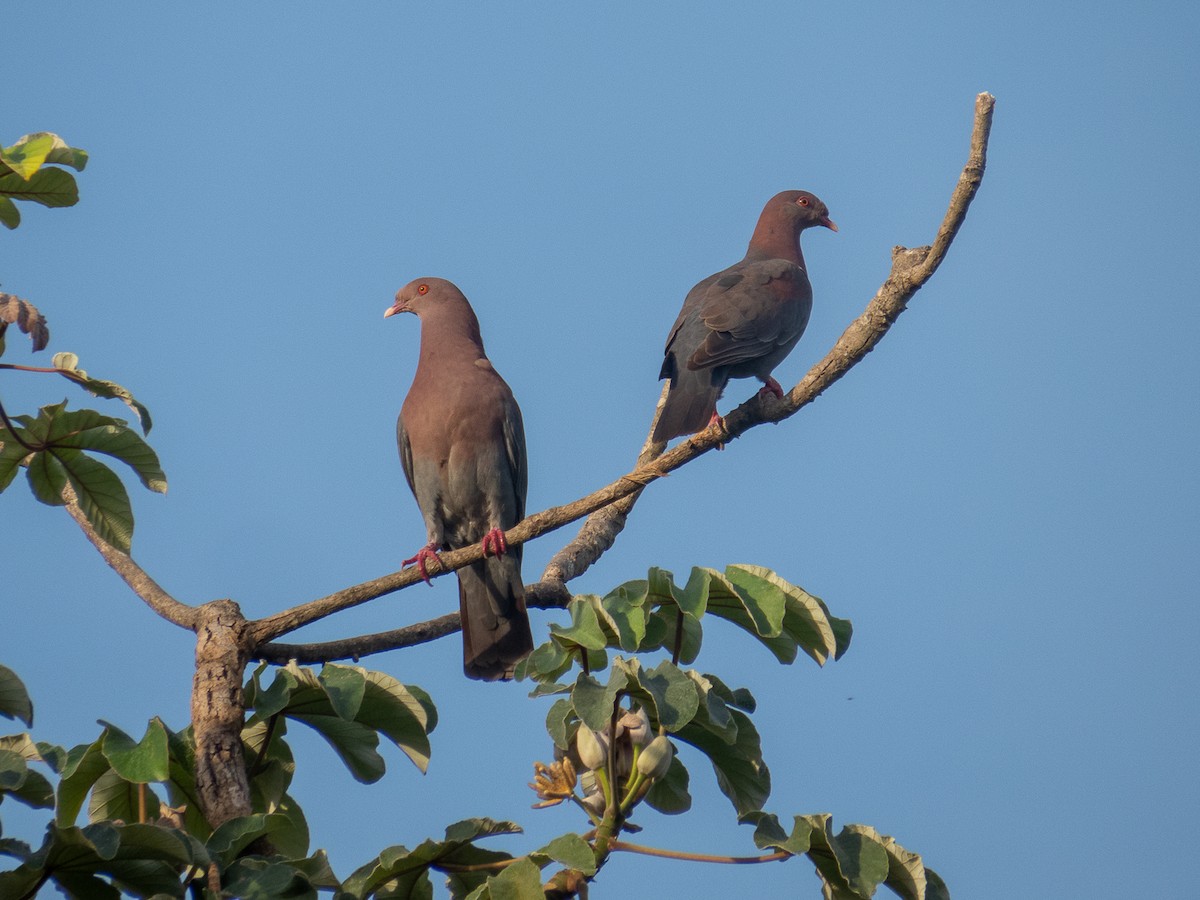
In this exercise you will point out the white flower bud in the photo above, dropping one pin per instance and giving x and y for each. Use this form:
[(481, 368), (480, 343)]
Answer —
[(592, 752), (655, 760)]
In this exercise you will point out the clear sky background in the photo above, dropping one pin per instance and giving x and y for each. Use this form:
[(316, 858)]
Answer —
[(1002, 496)]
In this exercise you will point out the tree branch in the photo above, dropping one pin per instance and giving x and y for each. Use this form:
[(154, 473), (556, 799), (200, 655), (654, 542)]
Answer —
[(608, 507), (134, 575)]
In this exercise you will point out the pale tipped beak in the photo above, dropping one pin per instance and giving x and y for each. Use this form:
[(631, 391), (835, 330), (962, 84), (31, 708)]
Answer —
[(828, 223), (393, 309)]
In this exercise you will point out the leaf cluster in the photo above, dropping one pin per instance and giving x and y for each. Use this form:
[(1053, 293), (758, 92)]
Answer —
[(24, 174)]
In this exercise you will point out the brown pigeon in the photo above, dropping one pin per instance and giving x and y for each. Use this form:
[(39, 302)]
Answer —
[(743, 321), (462, 445)]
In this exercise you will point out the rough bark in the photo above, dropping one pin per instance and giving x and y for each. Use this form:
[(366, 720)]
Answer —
[(218, 711)]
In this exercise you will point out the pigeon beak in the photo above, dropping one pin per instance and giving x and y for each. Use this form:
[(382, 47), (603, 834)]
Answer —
[(397, 307), (828, 223)]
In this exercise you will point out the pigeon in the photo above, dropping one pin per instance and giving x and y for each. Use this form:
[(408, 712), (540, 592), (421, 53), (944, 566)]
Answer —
[(743, 321), (462, 446)]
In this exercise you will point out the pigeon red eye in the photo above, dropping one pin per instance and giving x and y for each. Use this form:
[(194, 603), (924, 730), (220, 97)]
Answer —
[(423, 289), (803, 201)]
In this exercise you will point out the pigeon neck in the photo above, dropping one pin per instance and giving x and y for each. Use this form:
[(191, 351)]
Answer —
[(451, 338), (775, 239)]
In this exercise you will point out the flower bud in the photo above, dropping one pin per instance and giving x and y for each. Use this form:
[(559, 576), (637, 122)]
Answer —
[(637, 724), (592, 752), (655, 760)]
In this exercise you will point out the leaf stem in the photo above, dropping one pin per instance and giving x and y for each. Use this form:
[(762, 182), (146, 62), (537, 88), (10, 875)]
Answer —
[(698, 857), (12, 429)]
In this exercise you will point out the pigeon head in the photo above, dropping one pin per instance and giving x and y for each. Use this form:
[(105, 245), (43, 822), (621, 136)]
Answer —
[(423, 295), (777, 235), (802, 208)]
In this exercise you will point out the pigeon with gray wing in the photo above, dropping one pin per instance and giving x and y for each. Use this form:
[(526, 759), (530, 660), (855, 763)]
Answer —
[(742, 321), (462, 446)]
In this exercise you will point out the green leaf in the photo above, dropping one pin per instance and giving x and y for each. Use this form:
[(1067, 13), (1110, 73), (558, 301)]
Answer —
[(85, 764), (22, 313), (102, 497), (769, 834), (572, 851), (47, 478), (400, 873), (86, 429), (672, 695), (10, 217), (345, 687), (594, 701), (742, 775), (34, 789), (13, 770), (850, 861), (403, 713), (585, 630), (669, 794), (68, 366), (141, 762), (234, 836), (356, 745), (559, 717), (713, 712), (49, 187), (12, 454), (27, 155), (520, 881), (114, 798), (761, 614), (806, 620), (260, 879), (14, 699)]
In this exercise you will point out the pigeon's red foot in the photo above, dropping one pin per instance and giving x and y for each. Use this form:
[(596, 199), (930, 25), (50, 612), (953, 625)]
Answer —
[(493, 543), (771, 386), (426, 553), (717, 422)]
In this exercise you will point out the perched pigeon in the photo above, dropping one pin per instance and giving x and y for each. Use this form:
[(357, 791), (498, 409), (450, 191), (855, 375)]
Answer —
[(742, 321), (462, 445)]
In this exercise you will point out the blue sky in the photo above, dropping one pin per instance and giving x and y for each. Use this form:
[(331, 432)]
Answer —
[(1002, 496)]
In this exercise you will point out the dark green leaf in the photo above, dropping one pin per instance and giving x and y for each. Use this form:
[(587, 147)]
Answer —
[(520, 881), (10, 218), (674, 700), (14, 699), (13, 770), (669, 794), (561, 714), (594, 701), (47, 478), (758, 612), (345, 687), (769, 834), (115, 799), (259, 879), (572, 851), (585, 630), (851, 861), (101, 495), (12, 454), (141, 762), (234, 836), (49, 187), (356, 745), (85, 764), (741, 773)]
